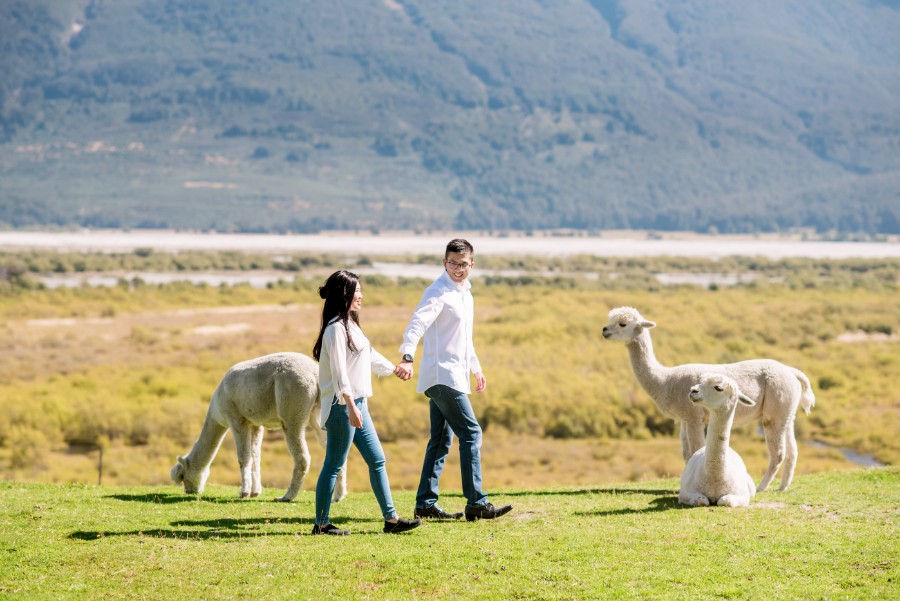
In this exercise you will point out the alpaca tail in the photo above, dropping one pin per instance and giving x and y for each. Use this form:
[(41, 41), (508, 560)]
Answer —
[(808, 400)]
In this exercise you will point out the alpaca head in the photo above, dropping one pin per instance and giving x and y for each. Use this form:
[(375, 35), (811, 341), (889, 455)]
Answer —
[(718, 392), (625, 324), (194, 481)]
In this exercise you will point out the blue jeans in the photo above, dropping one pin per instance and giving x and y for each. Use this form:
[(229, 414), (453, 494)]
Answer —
[(451, 413), (339, 438)]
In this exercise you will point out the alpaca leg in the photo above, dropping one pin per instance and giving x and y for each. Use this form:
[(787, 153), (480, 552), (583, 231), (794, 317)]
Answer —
[(685, 443), (733, 501), (790, 457), (775, 441), (340, 487), (696, 437), (242, 440), (295, 437), (256, 440), (693, 438), (692, 498)]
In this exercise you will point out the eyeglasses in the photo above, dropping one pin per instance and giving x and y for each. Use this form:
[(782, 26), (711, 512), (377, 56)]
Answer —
[(456, 266)]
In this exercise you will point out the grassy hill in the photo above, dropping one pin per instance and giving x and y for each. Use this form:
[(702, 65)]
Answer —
[(295, 115), (830, 536)]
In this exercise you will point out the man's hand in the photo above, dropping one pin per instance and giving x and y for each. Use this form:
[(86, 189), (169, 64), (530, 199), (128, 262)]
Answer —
[(480, 382), (404, 370)]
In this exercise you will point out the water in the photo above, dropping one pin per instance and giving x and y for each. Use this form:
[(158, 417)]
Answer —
[(255, 279), (262, 279), (850, 454), (614, 244)]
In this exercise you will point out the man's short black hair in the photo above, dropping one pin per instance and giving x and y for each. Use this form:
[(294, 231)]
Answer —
[(459, 246)]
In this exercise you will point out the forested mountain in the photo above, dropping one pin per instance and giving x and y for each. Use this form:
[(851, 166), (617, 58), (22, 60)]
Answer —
[(291, 115)]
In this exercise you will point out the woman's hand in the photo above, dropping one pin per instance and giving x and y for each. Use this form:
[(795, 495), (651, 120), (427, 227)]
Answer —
[(354, 414), (480, 382)]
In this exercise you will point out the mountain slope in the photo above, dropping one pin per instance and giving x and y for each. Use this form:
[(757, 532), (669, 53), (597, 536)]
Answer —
[(293, 115)]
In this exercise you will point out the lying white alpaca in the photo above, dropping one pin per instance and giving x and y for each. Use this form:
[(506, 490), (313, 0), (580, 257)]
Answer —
[(274, 391), (778, 389), (716, 473)]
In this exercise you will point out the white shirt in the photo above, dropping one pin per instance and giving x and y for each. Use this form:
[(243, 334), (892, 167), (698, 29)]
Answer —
[(341, 370), (444, 319)]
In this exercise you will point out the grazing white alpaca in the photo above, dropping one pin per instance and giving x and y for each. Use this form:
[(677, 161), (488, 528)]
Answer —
[(274, 391), (716, 473), (777, 388)]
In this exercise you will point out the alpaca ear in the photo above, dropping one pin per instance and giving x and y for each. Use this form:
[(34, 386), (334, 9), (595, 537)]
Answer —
[(182, 461), (647, 324), (177, 473), (745, 400)]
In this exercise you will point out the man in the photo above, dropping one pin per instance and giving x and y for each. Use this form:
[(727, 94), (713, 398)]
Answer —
[(444, 320)]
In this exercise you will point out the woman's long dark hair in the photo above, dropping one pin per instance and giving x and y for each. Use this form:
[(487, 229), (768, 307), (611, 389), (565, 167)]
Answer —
[(338, 292)]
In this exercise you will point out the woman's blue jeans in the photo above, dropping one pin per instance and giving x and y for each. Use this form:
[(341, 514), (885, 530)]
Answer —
[(451, 413), (340, 435)]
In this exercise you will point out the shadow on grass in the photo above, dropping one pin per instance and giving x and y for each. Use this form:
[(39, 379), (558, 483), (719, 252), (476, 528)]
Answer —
[(225, 528), (238, 523), (167, 499), (588, 491), (659, 504)]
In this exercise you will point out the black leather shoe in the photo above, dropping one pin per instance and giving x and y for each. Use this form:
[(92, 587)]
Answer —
[(485, 512), (436, 513), (329, 529), (401, 526)]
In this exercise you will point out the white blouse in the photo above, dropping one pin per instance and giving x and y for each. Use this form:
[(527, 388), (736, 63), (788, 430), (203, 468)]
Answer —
[(341, 370)]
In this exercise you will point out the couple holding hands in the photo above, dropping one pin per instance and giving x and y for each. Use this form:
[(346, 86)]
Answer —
[(443, 320)]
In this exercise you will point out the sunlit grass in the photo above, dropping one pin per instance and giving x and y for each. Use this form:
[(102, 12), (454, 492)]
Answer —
[(830, 536)]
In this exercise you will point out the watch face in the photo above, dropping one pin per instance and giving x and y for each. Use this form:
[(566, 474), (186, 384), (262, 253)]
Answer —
[(407, 358)]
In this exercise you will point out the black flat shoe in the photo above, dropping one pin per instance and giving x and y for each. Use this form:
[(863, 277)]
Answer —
[(401, 526), (485, 512), (329, 529), (436, 513)]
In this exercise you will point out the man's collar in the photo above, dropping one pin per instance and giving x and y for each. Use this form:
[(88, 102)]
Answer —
[(448, 281)]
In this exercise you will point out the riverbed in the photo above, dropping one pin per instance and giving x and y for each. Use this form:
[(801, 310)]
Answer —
[(613, 244)]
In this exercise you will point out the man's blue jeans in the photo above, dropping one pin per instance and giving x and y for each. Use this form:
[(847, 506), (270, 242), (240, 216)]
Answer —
[(340, 436), (451, 413)]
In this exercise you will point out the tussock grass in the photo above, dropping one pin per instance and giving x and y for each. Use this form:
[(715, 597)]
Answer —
[(131, 368), (832, 535)]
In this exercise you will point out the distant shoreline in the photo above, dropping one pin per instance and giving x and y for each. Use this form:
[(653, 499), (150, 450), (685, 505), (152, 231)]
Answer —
[(612, 243)]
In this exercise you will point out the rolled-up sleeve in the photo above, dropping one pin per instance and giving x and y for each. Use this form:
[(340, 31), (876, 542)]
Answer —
[(380, 365), (335, 342), (474, 363), (424, 315)]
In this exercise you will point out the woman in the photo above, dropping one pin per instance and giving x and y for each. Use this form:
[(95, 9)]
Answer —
[(346, 362)]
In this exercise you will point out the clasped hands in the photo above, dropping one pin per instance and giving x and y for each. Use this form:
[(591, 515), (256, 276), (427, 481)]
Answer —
[(404, 371)]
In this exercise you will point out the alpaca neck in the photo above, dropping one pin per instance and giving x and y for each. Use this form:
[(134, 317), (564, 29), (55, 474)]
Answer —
[(648, 371), (207, 445), (718, 435)]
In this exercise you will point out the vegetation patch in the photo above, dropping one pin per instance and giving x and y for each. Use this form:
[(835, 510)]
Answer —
[(830, 535)]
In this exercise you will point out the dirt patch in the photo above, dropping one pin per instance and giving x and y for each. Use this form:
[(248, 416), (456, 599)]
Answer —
[(215, 330), (769, 505)]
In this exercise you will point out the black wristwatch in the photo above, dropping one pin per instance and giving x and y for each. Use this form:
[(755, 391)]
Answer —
[(407, 358)]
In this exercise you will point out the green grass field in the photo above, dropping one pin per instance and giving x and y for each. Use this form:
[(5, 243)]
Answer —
[(831, 536)]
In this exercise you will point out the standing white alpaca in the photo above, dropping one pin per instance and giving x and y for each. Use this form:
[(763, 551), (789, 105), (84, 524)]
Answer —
[(716, 473), (778, 389), (274, 391)]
